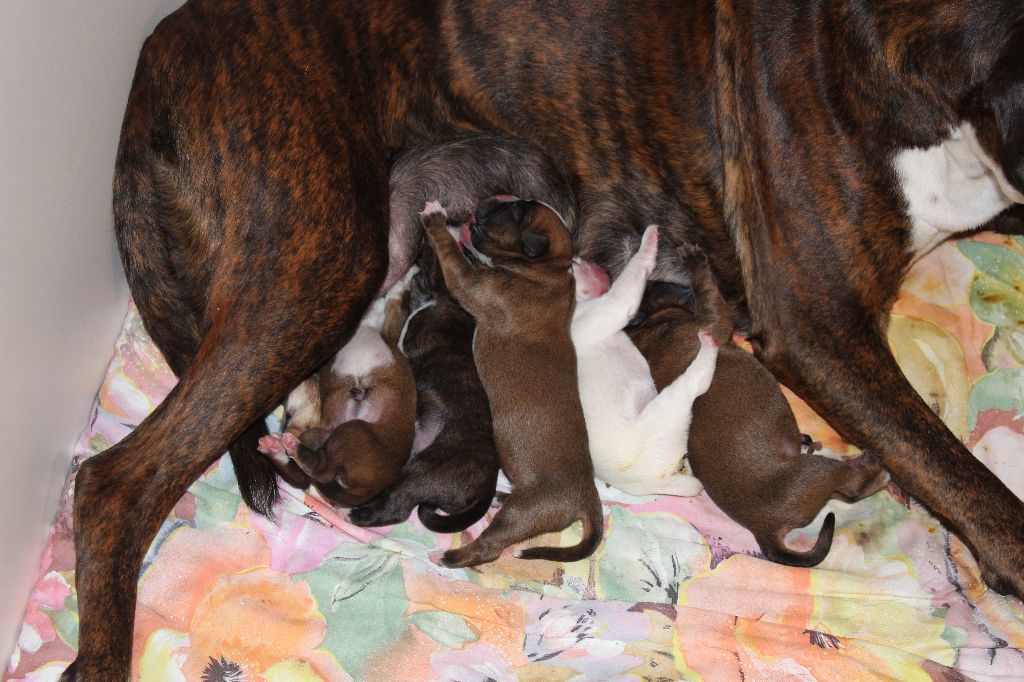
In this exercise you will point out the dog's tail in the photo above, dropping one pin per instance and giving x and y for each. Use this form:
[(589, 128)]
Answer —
[(593, 531), (256, 473), (456, 521), (774, 550)]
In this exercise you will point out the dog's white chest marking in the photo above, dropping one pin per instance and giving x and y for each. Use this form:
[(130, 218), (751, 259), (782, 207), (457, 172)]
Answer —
[(951, 187)]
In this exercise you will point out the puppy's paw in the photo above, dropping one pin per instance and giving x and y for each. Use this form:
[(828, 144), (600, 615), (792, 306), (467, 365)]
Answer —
[(275, 447), (453, 558), (706, 339), (692, 256), (649, 242), (434, 207), (291, 444), (433, 216)]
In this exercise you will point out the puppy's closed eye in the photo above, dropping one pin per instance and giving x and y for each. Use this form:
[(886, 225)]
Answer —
[(534, 244)]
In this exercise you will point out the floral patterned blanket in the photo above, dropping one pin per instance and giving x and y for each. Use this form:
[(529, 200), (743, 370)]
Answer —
[(676, 591)]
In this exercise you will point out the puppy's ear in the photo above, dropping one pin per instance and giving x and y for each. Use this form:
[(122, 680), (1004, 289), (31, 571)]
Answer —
[(534, 244), (997, 109)]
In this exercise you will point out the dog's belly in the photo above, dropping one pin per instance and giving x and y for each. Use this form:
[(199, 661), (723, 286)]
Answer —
[(951, 187)]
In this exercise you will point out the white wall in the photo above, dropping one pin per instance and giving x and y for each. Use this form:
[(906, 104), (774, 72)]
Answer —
[(65, 70)]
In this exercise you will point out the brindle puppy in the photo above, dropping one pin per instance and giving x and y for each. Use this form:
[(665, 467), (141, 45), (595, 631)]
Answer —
[(523, 302), (455, 467), (744, 442)]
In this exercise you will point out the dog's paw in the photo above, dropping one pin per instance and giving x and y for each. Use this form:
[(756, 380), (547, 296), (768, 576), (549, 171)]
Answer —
[(692, 256)]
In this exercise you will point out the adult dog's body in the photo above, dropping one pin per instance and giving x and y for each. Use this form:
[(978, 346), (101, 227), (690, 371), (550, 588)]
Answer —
[(251, 198)]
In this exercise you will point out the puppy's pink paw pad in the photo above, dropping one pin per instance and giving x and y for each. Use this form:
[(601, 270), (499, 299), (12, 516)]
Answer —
[(435, 557), (650, 239), (270, 445), (706, 339), (290, 443)]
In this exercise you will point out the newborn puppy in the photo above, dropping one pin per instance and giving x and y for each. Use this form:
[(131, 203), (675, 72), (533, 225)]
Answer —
[(637, 435), (523, 303), (454, 466), (745, 445), (350, 426)]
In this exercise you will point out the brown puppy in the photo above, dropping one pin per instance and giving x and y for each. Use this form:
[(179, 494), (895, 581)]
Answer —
[(454, 467), (744, 442), (350, 426), (523, 304)]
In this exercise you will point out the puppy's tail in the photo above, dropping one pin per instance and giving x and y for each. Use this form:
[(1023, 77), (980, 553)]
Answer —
[(774, 550), (593, 531), (455, 522)]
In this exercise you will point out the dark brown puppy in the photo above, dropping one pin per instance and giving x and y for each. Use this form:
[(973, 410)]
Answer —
[(251, 194), (744, 442), (456, 470), (522, 303)]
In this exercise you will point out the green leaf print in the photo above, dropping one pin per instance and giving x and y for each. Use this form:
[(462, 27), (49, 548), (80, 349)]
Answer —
[(997, 303), (65, 621), (447, 629), (361, 593), (647, 555), (998, 262), (1000, 390)]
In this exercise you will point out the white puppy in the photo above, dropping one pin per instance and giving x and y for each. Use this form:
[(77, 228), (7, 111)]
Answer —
[(637, 436)]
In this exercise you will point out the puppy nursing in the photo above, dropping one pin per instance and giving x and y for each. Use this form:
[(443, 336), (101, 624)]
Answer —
[(637, 436), (454, 465), (744, 442), (351, 425), (516, 361), (523, 305)]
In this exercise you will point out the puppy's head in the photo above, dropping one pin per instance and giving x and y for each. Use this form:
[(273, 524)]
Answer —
[(357, 473), (520, 232)]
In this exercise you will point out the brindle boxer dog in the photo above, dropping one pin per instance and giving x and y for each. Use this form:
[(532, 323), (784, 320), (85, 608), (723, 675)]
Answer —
[(251, 195)]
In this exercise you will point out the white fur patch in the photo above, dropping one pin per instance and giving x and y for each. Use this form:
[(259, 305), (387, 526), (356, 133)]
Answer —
[(951, 187), (364, 353)]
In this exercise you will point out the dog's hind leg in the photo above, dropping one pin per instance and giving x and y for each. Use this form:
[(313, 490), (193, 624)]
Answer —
[(249, 359), (168, 268)]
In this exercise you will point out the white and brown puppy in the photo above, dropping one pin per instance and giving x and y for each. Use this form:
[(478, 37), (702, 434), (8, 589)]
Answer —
[(350, 426), (637, 435)]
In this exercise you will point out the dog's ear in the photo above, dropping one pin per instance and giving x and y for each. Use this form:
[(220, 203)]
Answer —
[(534, 244), (997, 109)]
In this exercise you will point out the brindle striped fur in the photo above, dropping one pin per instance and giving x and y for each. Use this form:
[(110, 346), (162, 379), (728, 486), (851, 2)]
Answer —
[(251, 198)]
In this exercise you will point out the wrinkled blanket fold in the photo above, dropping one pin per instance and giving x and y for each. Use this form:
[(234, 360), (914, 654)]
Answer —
[(676, 591)]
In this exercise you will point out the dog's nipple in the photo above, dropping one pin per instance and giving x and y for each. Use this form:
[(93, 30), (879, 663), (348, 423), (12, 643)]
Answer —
[(358, 394)]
